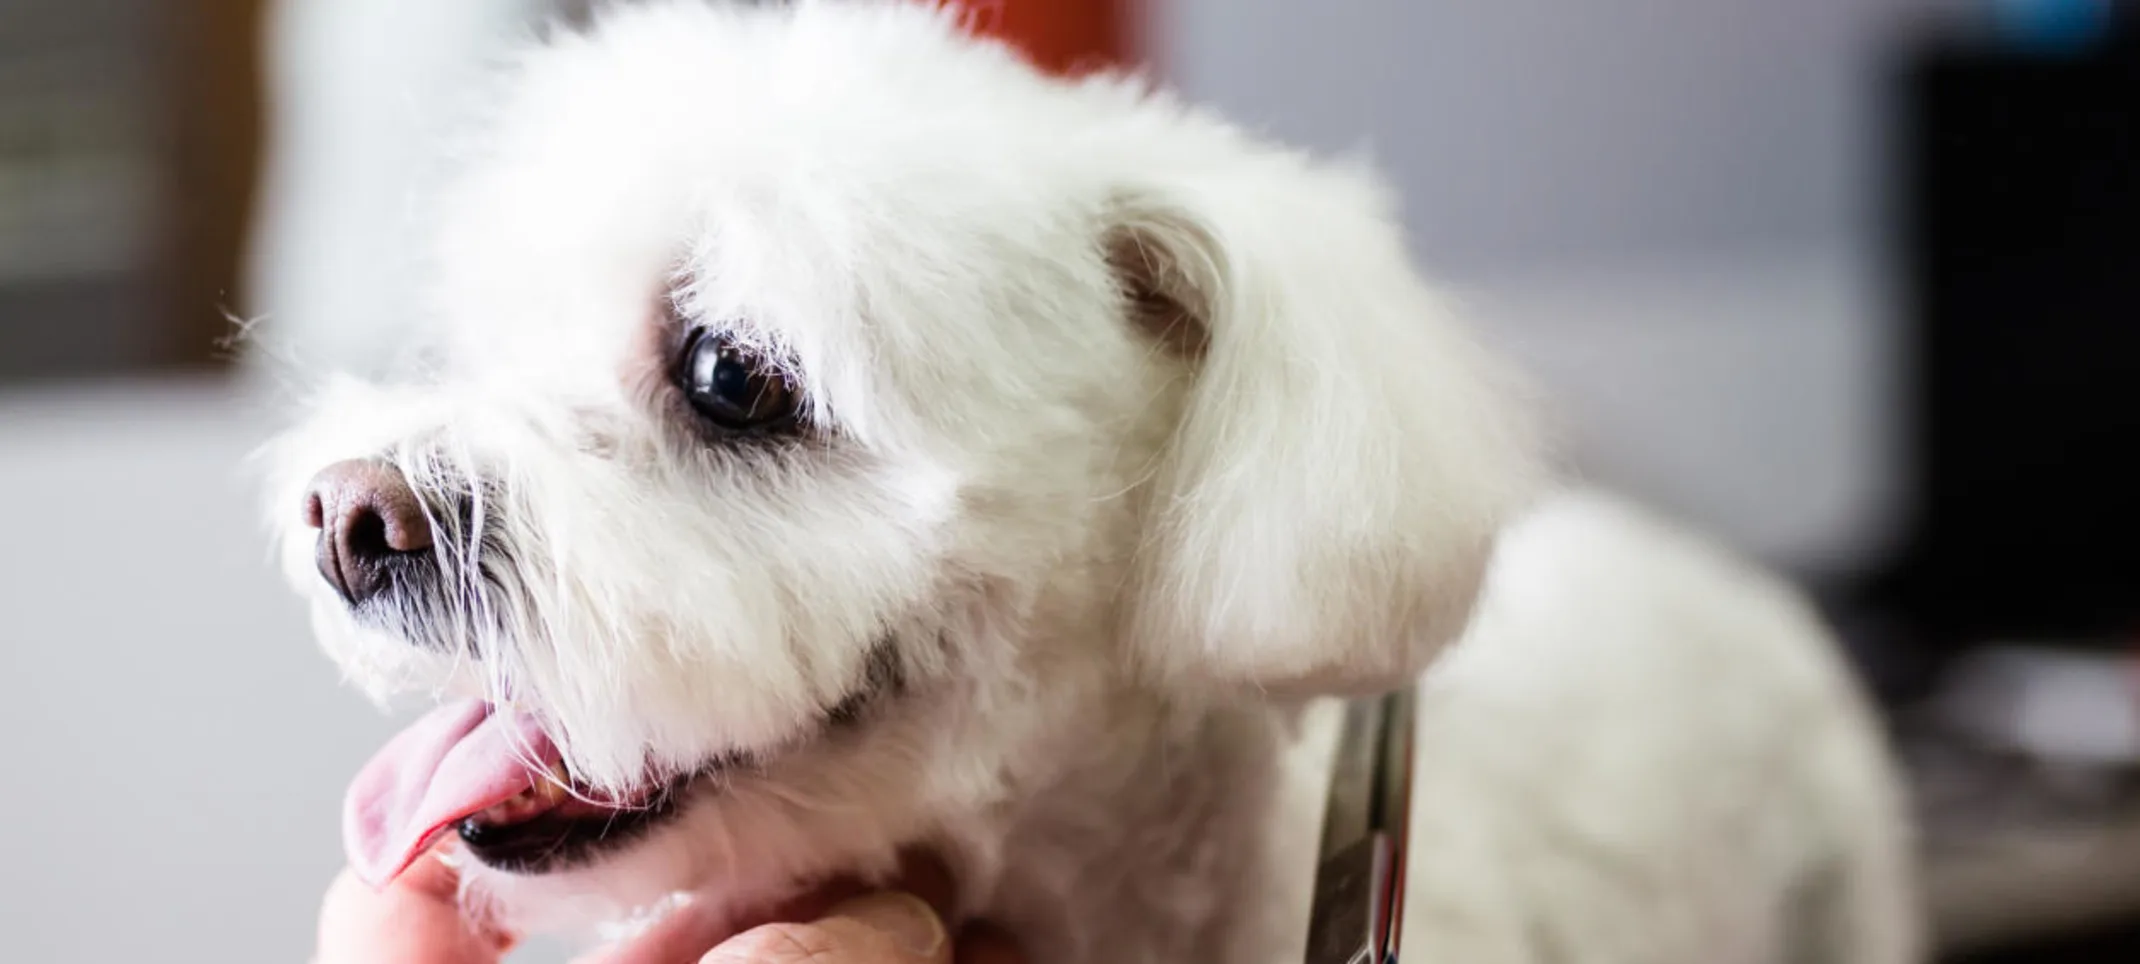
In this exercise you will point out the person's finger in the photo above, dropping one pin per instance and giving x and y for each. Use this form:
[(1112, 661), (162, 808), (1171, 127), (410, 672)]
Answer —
[(415, 920), (890, 927)]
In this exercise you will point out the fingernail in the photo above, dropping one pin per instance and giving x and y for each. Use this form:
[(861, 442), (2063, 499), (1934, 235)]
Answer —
[(903, 917)]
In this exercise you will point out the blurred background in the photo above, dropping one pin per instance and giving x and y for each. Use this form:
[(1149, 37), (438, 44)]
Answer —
[(1854, 284)]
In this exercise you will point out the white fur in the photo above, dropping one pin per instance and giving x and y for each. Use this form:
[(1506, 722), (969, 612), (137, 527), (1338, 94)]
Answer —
[(1121, 579)]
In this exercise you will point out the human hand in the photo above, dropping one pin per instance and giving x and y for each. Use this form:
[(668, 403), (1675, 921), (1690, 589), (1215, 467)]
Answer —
[(417, 920)]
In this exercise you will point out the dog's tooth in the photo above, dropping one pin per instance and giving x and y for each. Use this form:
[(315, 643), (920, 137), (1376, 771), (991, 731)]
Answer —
[(550, 791), (514, 810)]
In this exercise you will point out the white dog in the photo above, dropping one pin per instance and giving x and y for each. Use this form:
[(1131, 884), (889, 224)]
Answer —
[(842, 437)]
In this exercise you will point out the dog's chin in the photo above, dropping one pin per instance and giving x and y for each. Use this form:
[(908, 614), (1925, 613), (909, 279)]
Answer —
[(602, 878)]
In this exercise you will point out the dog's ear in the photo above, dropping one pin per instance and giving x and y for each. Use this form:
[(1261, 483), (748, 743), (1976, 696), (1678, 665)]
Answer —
[(1323, 516)]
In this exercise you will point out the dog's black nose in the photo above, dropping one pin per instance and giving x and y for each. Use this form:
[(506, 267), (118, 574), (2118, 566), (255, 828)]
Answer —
[(369, 521)]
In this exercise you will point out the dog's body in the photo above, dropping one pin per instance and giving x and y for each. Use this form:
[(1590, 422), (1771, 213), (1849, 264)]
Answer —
[(843, 439), (1658, 744)]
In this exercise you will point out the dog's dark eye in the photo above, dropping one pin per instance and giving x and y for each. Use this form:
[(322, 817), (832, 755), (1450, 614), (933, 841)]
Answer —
[(732, 386)]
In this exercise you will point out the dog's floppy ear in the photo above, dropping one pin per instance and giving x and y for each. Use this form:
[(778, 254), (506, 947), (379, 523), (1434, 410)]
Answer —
[(1325, 511)]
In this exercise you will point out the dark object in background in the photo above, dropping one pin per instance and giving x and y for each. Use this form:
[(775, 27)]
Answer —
[(128, 134), (2093, 947), (2018, 218), (2021, 247), (217, 102), (80, 187)]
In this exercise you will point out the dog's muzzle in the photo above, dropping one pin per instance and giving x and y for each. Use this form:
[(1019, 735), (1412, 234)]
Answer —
[(372, 528)]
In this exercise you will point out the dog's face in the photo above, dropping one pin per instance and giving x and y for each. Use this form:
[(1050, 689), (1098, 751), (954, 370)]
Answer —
[(830, 417)]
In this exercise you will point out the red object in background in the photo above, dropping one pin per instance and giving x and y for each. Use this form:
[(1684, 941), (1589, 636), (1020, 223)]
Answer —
[(1065, 36)]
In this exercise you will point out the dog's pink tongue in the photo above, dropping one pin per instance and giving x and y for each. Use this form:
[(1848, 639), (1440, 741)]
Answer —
[(460, 759)]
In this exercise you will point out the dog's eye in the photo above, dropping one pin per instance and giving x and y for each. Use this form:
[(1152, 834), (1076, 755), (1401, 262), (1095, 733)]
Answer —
[(733, 387)]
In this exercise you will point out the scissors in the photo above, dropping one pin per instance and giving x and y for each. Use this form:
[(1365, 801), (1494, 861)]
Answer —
[(1357, 914)]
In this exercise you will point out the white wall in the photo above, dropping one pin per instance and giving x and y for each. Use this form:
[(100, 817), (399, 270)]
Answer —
[(175, 744), (1666, 207), (1539, 131), (362, 92)]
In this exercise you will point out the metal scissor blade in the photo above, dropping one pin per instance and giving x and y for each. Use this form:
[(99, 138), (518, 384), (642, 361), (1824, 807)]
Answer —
[(1355, 904)]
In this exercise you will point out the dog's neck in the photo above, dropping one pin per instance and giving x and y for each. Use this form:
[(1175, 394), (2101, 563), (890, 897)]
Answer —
[(1187, 833)]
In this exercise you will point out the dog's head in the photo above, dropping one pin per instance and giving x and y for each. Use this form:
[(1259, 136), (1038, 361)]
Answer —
[(829, 416)]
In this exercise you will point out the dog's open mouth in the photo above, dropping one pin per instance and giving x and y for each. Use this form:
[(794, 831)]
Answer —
[(498, 779)]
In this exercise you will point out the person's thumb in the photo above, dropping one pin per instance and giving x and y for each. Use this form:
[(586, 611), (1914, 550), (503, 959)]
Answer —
[(882, 928)]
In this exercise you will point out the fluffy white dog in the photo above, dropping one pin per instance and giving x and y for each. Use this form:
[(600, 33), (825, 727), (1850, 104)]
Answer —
[(841, 437)]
